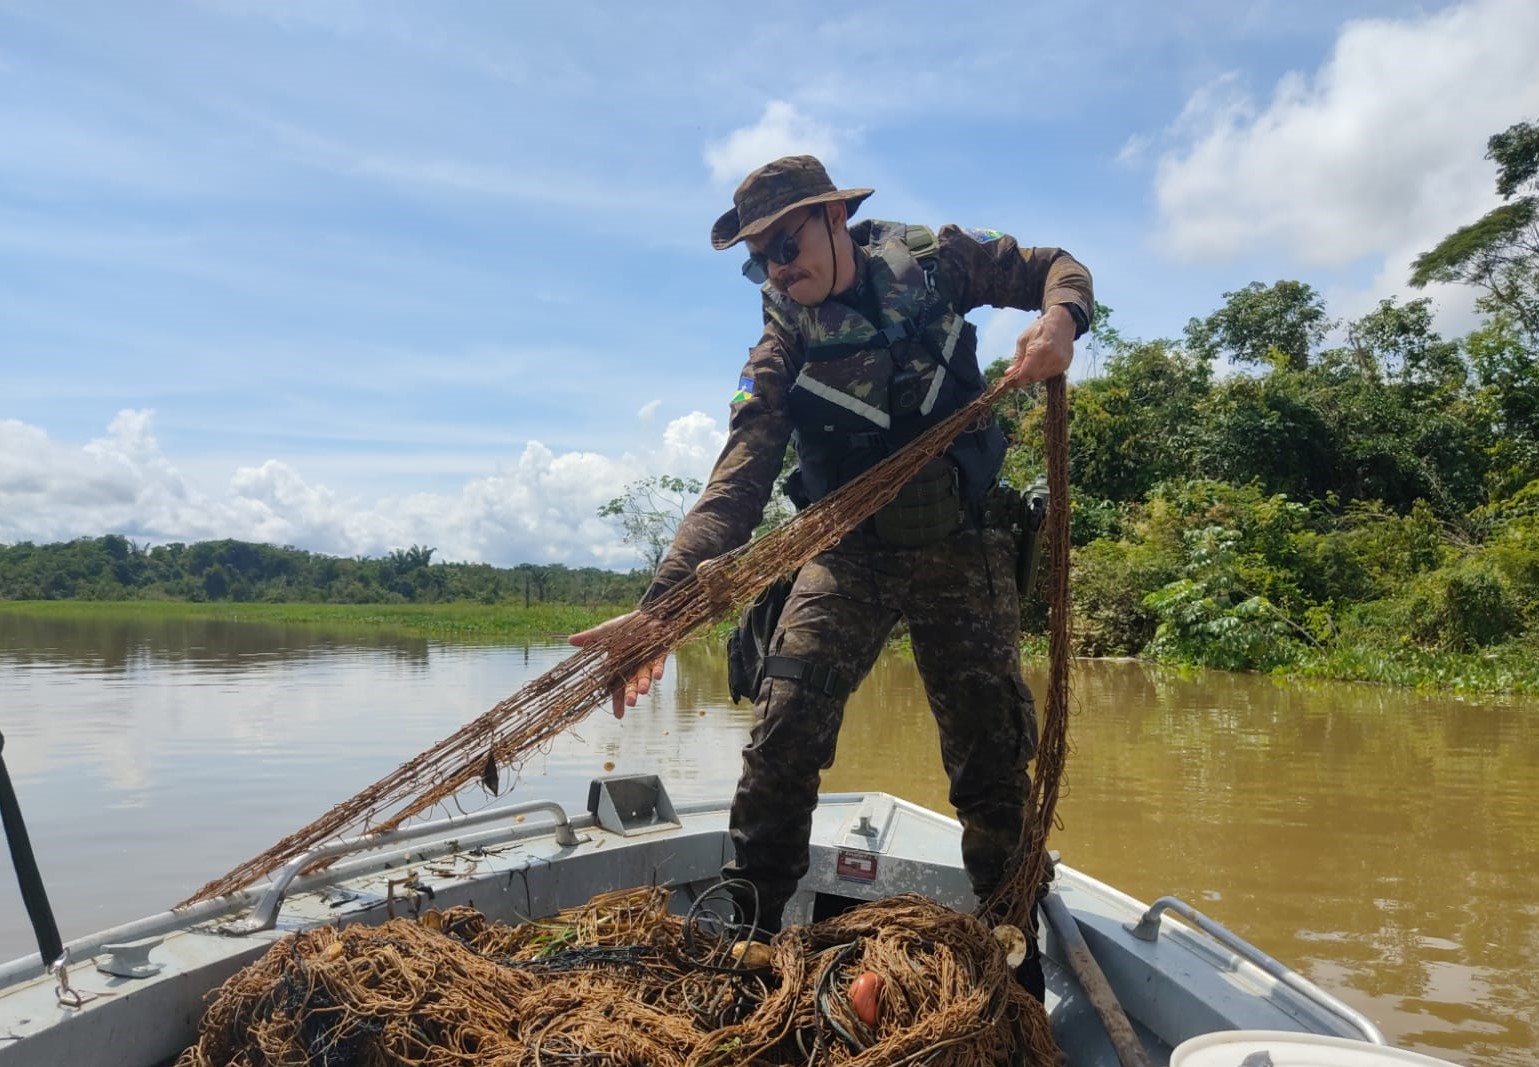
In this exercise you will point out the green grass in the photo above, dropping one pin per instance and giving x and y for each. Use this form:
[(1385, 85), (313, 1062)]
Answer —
[(458, 621), (1512, 667)]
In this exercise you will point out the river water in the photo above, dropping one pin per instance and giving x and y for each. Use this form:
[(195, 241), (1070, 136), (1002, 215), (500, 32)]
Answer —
[(1383, 842)]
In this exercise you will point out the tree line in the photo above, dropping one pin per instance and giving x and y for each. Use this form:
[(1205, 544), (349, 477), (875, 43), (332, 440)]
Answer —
[(114, 567), (1364, 509)]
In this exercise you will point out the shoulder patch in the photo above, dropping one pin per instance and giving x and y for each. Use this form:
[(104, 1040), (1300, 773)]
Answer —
[(982, 236), (744, 389)]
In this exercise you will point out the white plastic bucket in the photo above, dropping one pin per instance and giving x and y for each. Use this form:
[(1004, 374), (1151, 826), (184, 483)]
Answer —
[(1229, 1048)]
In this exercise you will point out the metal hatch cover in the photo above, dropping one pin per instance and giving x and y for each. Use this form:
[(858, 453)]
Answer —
[(870, 828), (631, 804)]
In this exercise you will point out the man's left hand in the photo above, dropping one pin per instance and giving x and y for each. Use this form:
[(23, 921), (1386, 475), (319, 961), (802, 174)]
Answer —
[(625, 690), (1044, 349)]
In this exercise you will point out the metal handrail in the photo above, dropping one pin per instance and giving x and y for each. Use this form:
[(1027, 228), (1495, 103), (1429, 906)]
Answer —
[(1148, 928), (265, 915)]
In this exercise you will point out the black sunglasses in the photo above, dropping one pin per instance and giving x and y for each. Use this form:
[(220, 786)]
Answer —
[(781, 250)]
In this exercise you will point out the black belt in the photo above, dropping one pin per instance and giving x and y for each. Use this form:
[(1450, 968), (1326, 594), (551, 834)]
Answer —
[(814, 674)]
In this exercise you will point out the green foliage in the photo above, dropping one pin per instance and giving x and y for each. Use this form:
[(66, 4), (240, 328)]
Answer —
[(1500, 251), (1270, 430), (1516, 153), (650, 510), (1398, 341), (1093, 519), (1461, 608), (461, 621), (115, 568), (1506, 366), (1104, 337), (1136, 426), (1184, 561), (1514, 556), (1521, 507), (1394, 549), (1390, 418), (1478, 254), (1209, 574), (1328, 572), (1264, 325), (1107, 581), (1207, 618), (1511, 667)]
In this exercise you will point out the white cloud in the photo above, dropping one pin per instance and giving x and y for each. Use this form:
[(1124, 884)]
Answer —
[(541, 508), (1379, 153), (781, 131), (691, 443), (1134, 150)]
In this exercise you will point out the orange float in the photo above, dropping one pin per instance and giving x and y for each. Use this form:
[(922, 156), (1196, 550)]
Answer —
[(865, 992)]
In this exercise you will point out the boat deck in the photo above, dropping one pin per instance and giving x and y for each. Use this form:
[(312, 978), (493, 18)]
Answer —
[(530, 860)]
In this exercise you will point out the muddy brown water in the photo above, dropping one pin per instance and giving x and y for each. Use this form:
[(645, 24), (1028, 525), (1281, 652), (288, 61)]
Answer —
[(1383, 842)]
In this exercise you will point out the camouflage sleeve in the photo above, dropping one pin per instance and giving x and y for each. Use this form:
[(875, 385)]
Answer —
[(980, 267), (744, 476)]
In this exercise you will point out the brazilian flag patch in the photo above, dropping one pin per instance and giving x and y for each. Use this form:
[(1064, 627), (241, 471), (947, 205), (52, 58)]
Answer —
[(744, 389), (982, 236)]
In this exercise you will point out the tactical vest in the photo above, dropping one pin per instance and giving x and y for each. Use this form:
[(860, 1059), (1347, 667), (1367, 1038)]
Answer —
[(866, 388)]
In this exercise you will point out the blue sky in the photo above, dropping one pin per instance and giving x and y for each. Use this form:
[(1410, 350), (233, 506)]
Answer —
[(357, 275)]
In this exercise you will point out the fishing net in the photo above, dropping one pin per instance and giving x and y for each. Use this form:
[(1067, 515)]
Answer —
[(1030, 868), (568, 692), (620, 981)]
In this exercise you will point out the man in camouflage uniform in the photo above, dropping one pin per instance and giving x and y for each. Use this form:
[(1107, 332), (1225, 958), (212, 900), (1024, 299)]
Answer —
[(864, 347)]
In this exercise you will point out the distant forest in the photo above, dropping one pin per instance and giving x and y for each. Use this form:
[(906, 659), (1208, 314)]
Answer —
[(116, 568)]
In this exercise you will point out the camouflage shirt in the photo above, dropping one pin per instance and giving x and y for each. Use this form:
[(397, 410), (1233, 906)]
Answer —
[(974, 268)]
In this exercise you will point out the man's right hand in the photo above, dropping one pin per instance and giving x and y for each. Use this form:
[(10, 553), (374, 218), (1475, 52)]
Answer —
[(1044, 349), (625, 690)]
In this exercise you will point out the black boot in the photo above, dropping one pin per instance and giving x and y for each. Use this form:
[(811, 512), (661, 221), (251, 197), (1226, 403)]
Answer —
[(754, 910), (1029, 975)]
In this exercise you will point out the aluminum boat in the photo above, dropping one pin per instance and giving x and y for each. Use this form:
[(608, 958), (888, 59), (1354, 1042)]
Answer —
[(132, 996)]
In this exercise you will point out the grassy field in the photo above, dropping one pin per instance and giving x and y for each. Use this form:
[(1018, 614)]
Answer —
[(459, 622)]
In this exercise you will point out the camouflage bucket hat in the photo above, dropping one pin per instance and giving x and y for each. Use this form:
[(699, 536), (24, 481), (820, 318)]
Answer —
[(772, 191)]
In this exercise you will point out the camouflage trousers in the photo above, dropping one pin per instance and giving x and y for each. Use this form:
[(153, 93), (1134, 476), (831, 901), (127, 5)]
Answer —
[(959, 599)]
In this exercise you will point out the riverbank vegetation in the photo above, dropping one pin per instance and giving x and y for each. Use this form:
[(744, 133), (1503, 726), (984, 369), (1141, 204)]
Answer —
[(1363, 510), (461, 621), (116, 568), (1275, 490)]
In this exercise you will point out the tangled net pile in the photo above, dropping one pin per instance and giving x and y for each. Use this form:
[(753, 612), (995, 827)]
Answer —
[(621, 982)]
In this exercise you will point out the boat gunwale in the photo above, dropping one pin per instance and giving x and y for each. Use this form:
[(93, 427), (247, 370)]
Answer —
[(1104, 912)]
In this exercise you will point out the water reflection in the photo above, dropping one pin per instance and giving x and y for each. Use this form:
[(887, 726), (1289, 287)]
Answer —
[(118, 645), (1382, 841)]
